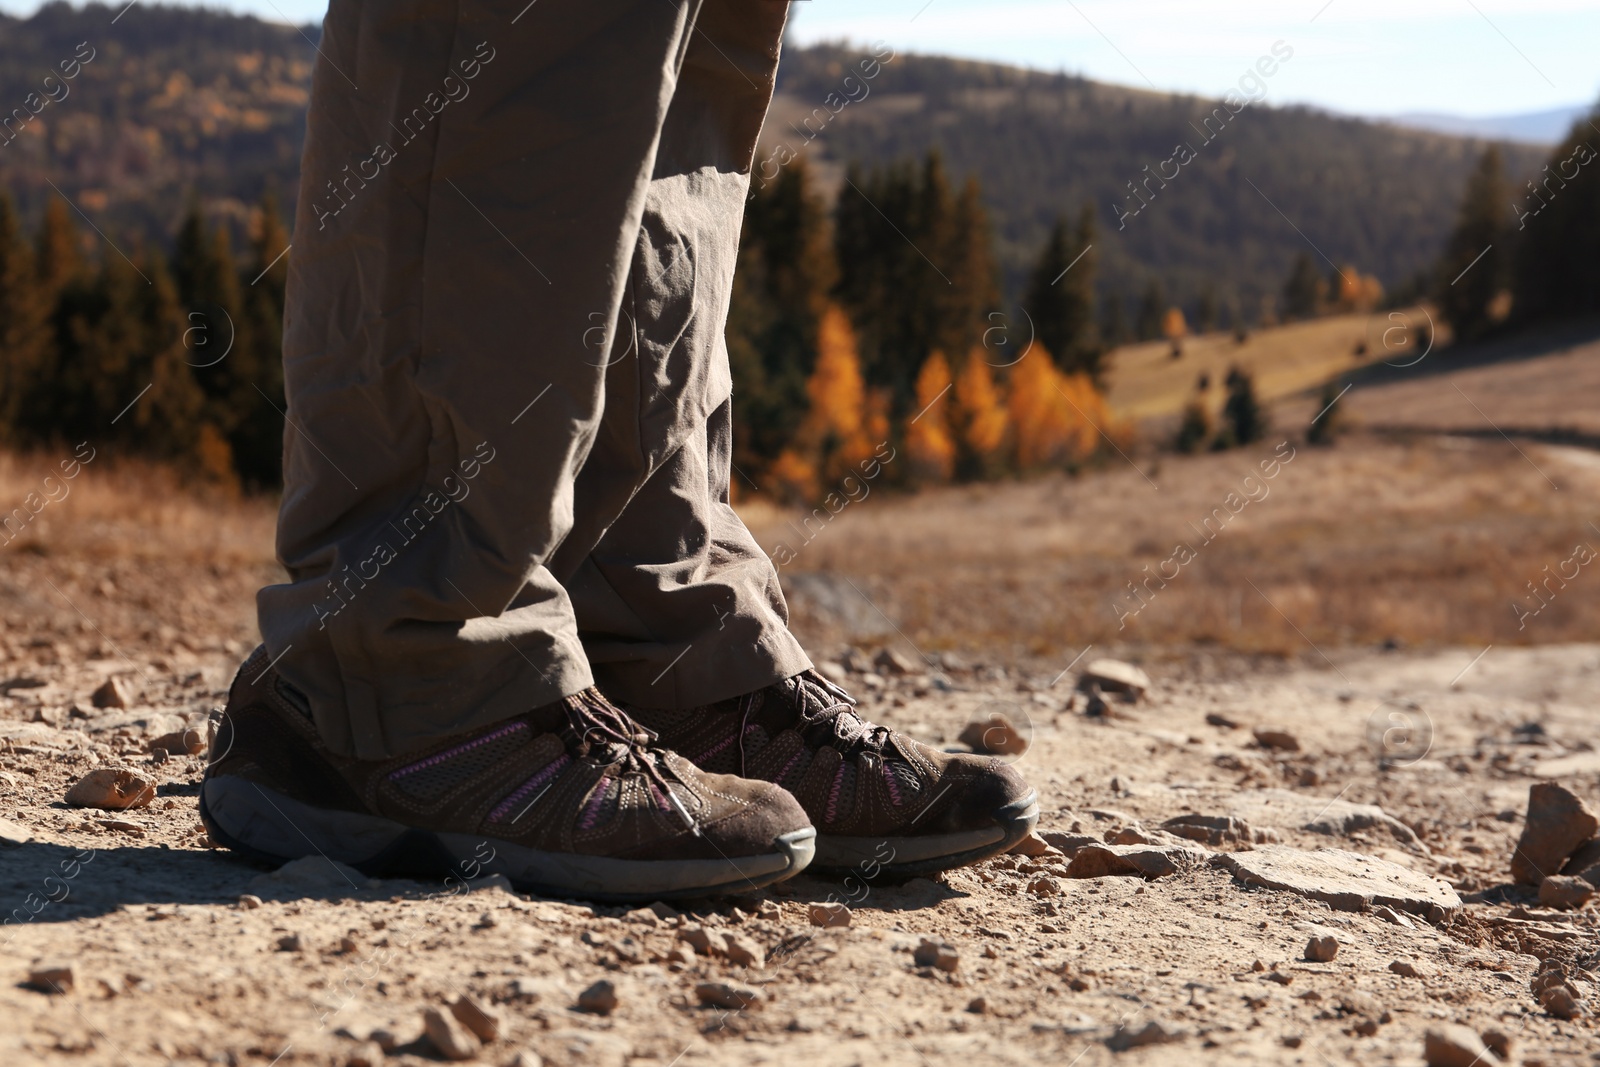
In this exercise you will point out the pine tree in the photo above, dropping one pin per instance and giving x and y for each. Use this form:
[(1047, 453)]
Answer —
[(257, 438), (58, 257), (1305, 291), (1476, 263), (1060, 297), (1194, 428), (1152, 309), (1557, 231), (1329, 422), (973, 291), (23, 339), (1244, 419), (1115, 319)]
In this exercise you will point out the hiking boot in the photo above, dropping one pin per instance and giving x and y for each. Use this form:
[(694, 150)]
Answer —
[(566, 800), (879, 800)]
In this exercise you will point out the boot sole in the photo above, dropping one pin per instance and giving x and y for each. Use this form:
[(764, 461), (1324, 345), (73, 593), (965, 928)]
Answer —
[(873, 857), (267, 826)]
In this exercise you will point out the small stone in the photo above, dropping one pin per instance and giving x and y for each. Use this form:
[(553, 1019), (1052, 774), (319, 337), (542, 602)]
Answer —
[(112, 789), (1147, 861), (1044, 887), (13, 834), (977, 1005), (1499, 1043), (1558, 822), (190, 742), (1115, 676), (249, 901), (1258, 966), (1210, 829), (348, 945), (680, 955), (993, 735), (387, 1039), (1277, 976), (53, 976), (1151, 1033), (1389, 915), (452, 1040), (1348, 881), (829, 915), (1215, 719), (728, 995), (665, 912), (599, 999), (1559, 1000), (931, 953), (1564, 891), (1449, 1045), (291, 943), (366, 1054), (1031, 845), (1585, 863), (704, 942), (1322, 949), (1068, 844), (1411, 969), (1276, 739), (892, 661), (525, 1058), (744, 951), (475, 1017), (113, 693)]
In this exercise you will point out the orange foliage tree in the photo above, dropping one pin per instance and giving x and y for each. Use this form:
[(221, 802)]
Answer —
[(1053, 415), (929, 442), (834, 436), (980, 417)]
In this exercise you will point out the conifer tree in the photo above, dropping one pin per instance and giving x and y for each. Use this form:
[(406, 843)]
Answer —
[(1152, 309), (23, 339), (1557, 230), (1305, 291), (1244, 419), (1060, 297), (1476, 263)]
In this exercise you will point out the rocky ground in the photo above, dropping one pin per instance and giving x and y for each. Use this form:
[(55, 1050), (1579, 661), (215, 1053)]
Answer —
[(1231, 936)]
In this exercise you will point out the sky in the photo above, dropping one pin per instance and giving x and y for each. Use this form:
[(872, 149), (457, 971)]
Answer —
[(1365, 57)]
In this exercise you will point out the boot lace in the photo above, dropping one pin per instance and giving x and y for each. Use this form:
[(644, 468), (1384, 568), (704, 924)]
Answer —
[(610, 735)]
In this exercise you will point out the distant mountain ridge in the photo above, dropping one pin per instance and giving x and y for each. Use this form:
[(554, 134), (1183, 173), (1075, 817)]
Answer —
[(181, 102), (1529, 127)]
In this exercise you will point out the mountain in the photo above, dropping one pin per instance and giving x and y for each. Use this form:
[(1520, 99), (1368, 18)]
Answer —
[(179, 102), (1529, 127)]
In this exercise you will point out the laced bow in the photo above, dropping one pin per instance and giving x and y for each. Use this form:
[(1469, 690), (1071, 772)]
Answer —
[(600, 723)]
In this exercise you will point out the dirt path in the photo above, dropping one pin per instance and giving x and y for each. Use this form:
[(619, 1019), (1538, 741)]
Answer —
[(171, 967)]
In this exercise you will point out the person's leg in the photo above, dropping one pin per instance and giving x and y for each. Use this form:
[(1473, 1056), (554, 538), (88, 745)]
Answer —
[(676, 603), (473, 185), (423, 702)]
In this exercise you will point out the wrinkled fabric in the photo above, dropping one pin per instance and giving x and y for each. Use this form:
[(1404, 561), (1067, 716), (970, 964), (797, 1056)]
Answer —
[(508, 447)]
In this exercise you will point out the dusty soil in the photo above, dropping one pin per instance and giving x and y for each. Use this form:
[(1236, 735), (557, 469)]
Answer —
[(170, 967)]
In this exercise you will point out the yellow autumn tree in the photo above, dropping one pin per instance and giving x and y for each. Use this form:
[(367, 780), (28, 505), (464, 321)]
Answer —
[(980, 416), (1056, 418), (929, 442), (832, 438)]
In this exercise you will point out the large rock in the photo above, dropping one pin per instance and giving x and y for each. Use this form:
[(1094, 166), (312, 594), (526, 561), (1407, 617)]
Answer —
[(1146, 861), (112, 789), (1331, 816), (1558, 822), (1450, 1045), (1348, 881)]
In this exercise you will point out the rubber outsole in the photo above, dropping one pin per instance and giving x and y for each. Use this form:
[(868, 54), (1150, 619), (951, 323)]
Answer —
[(267, 826), (904, 857)]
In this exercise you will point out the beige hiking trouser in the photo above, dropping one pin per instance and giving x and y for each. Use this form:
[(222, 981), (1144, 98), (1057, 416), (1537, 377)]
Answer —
[(507, 458)]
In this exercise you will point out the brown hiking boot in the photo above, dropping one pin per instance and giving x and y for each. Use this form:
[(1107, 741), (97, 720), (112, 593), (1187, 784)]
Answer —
[(879, 799), (566, 800)]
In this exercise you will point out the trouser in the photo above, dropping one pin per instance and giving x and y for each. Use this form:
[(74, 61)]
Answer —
[(506, 464)]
